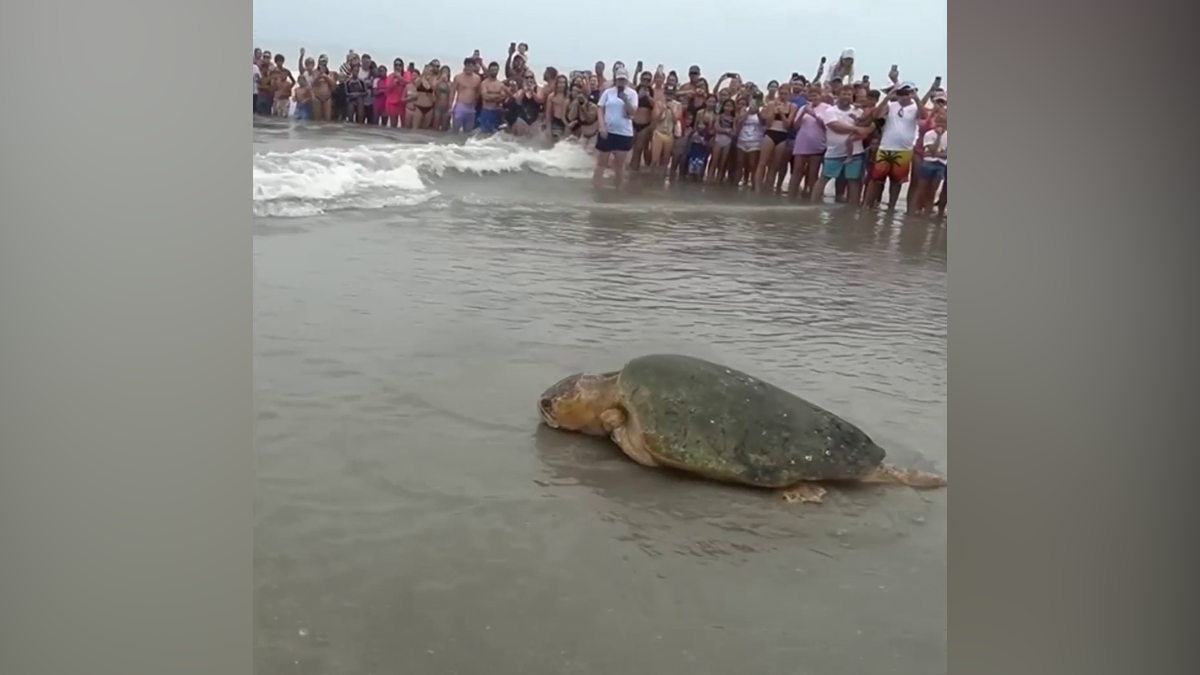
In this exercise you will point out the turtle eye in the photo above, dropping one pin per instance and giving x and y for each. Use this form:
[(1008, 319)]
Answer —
[(546, 405)]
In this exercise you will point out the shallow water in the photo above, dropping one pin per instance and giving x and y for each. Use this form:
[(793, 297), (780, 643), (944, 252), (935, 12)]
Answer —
[(412, 299)]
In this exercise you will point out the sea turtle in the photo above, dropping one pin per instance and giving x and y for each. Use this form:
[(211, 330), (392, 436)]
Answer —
[(681, 412)]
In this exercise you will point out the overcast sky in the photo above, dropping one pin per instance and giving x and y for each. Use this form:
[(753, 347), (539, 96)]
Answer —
[(760, 39)]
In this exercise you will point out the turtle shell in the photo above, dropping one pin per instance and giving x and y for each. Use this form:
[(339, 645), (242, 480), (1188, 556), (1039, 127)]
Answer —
[(725, 424)]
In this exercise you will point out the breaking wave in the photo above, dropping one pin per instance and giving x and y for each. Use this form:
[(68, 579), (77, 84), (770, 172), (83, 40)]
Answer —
[(312, 181)]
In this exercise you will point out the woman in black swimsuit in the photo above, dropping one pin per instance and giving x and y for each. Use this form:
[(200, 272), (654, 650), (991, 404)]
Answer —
[(426, 97), (776, 116), (356, 96), (642, 127), (528, 108)]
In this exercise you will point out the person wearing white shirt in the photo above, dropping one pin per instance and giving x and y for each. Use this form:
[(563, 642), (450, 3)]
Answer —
[(843, 68), (617, 106), (933, 169), (893, 163), (844, 155)]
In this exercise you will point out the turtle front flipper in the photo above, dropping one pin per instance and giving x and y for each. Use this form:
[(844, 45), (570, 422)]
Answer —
[(913, 478), (617, 423), (804, 492)]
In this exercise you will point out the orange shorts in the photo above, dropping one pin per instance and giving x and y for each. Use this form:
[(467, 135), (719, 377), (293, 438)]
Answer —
[(893, 164)]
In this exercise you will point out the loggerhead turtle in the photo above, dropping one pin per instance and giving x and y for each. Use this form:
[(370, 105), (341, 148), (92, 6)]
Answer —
[(680, 412)]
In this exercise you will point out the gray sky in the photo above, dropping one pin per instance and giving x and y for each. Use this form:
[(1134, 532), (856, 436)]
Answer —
[(760, 39)]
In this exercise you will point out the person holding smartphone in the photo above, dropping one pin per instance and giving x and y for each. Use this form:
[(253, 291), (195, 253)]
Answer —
[(617, 106)]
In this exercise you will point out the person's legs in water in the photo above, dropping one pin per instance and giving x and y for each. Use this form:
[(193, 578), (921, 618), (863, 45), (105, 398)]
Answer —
[(618, 147), (812, 171), (799, 166), (781, 164), (463, 118), (901, 163), (941, 201), (641, 143), (661, 146), (489, 120), (885, 162), (750, 160), (766, 153), (930, 179), (615, 149), (720, 156), (679, 150), (911, 197), (850, 168)]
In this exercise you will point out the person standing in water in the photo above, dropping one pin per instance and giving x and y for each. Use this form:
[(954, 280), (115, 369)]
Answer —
[(617, 107), (466, 90), (493, 92), (843, 146), (901, 116)]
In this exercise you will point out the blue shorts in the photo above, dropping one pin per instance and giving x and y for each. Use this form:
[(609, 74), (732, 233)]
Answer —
[(933, 170), (304, 111), (850, 168), (489, 120)]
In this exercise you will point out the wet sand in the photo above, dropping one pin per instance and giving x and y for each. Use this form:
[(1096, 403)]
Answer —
[(411, 515)]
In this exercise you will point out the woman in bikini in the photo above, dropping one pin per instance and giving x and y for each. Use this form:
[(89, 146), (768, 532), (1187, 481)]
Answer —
[(776, 116), (426, 87), (722, 142), (642, 127), (322, 92), (441, 105), (666, 118), (412, 116)]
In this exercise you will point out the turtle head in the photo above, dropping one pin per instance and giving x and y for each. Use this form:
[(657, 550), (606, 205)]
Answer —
[(575, 403)]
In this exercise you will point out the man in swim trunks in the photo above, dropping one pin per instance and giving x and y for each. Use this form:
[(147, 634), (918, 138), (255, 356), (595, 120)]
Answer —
[(283, 84), (466, 91), (493, 92), (901, 115)]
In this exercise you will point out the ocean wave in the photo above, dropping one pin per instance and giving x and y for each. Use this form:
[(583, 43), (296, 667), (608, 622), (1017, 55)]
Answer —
[(312, 181)]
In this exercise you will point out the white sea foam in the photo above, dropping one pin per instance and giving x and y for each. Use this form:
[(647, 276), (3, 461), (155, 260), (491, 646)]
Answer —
[(311, 181)]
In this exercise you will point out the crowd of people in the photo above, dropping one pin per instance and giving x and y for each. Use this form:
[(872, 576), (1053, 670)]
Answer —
[(794, 137)]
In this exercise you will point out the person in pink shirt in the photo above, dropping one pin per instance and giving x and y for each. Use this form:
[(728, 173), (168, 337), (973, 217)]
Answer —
[(394, 86), (379, 87), (808, 150)]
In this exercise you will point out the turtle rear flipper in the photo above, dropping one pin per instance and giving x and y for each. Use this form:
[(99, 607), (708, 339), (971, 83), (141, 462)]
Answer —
[(913, 478)]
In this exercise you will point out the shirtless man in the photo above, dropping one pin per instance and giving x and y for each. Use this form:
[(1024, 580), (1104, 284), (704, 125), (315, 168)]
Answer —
[(266, 89), (493, 92), (600, 79), (283, 84), (466, 90)]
